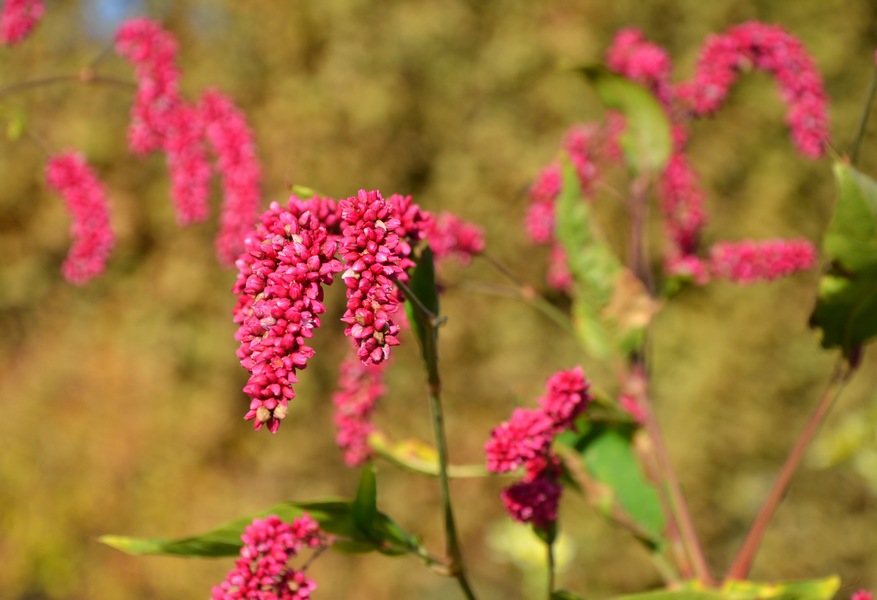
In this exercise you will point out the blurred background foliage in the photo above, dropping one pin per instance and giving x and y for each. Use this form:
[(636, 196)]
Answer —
[(120, 402)]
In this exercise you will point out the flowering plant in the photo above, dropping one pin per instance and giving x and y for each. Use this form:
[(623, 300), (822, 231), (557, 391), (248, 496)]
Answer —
[(598, 438)]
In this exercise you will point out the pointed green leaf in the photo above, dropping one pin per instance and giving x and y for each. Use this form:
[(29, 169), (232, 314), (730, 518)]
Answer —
[(851, 238), (606, 451), (591, 263), (334, 516), (421, 283), (365, 505), (647, 140), (419, 457)]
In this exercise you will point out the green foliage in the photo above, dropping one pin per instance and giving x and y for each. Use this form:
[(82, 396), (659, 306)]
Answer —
[(846, 310), (606, 452), (647, 140), (422, 292), (814, 589)]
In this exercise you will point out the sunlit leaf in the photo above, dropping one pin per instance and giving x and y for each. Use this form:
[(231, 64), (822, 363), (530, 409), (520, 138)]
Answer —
[(365, 505), (647, 140), (419, 457), (851, 237)]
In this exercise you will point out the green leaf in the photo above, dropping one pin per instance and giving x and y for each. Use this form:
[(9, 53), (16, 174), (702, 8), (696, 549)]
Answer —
[(564, 595), (846, 311), (422, 286), (365, 505), (591, 263), (419, 457), (851, 238), (813, 589), (334, 516), (606, 451), (647, 140), (16, 125)]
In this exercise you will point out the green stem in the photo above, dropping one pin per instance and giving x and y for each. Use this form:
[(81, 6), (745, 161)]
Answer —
[(743, 561), (551, 568), (456, 567), (86, 76), (863, 119)]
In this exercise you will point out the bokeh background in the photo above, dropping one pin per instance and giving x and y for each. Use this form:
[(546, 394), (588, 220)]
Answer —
[(120, 402)]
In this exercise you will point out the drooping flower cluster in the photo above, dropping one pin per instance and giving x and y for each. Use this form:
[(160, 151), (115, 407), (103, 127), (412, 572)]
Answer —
[(86, 201), (230, 136), (449, 235), (771, 49), (161, 119), (288, 259), (263, 570), (18, 18), (681, 198), (375, 249), (525, 440), (359, 389)]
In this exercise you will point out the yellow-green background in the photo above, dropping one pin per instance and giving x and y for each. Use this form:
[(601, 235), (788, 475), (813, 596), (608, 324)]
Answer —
[(120, 402)]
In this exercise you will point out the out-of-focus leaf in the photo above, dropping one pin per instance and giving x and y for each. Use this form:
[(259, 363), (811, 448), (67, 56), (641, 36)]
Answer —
[(419, 457), (812, 589), (629, 311), (647, 140), (606, 452), (365, 505), (564, 595), (846, 311), (851, 237), (334, 516), (675, 595), (591, 263), (16, 125)]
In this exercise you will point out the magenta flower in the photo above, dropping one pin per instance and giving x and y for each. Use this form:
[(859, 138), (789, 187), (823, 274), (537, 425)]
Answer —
[(682, 205), (748, 262), (288, 258), (187, 162), (638, 59), (263, 569), (373, 255), (863, 595), (18, 18), (771, 49), (86, 201), (450, 235), (152, 51), (229, 134), (525, 440), (359, 389)]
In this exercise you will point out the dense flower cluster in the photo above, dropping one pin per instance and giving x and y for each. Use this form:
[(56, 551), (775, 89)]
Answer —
[(188, 166), (747, 262), (18, 18), (263, 572), (288, 259), (359, 389), (638, 59), (375, 256), (449, 235), (86, 201), (232, 140), (525, 440), (767, 48), (863, 595)]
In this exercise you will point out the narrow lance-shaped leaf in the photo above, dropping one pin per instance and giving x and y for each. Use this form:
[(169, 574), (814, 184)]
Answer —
[(647, 140), (365, 505), (421, 283)]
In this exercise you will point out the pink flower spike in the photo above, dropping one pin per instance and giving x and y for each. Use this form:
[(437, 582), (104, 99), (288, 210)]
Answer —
[(771, 49), (86, 201), (359, 389), (374, 255), (567, 396), (642, 61), (18, 18), (187, 163), (748, 262), (451, 235), (525, 437), (262, 569), (232, 140), (288, 259), (863, 595)]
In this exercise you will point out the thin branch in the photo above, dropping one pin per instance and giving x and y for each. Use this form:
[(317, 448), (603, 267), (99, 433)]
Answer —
[(743, 561)]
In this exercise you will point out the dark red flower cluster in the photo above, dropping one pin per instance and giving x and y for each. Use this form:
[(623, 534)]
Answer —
[(18, 18), (263, 571), (288, 259), (525, 440), (86, 201)]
